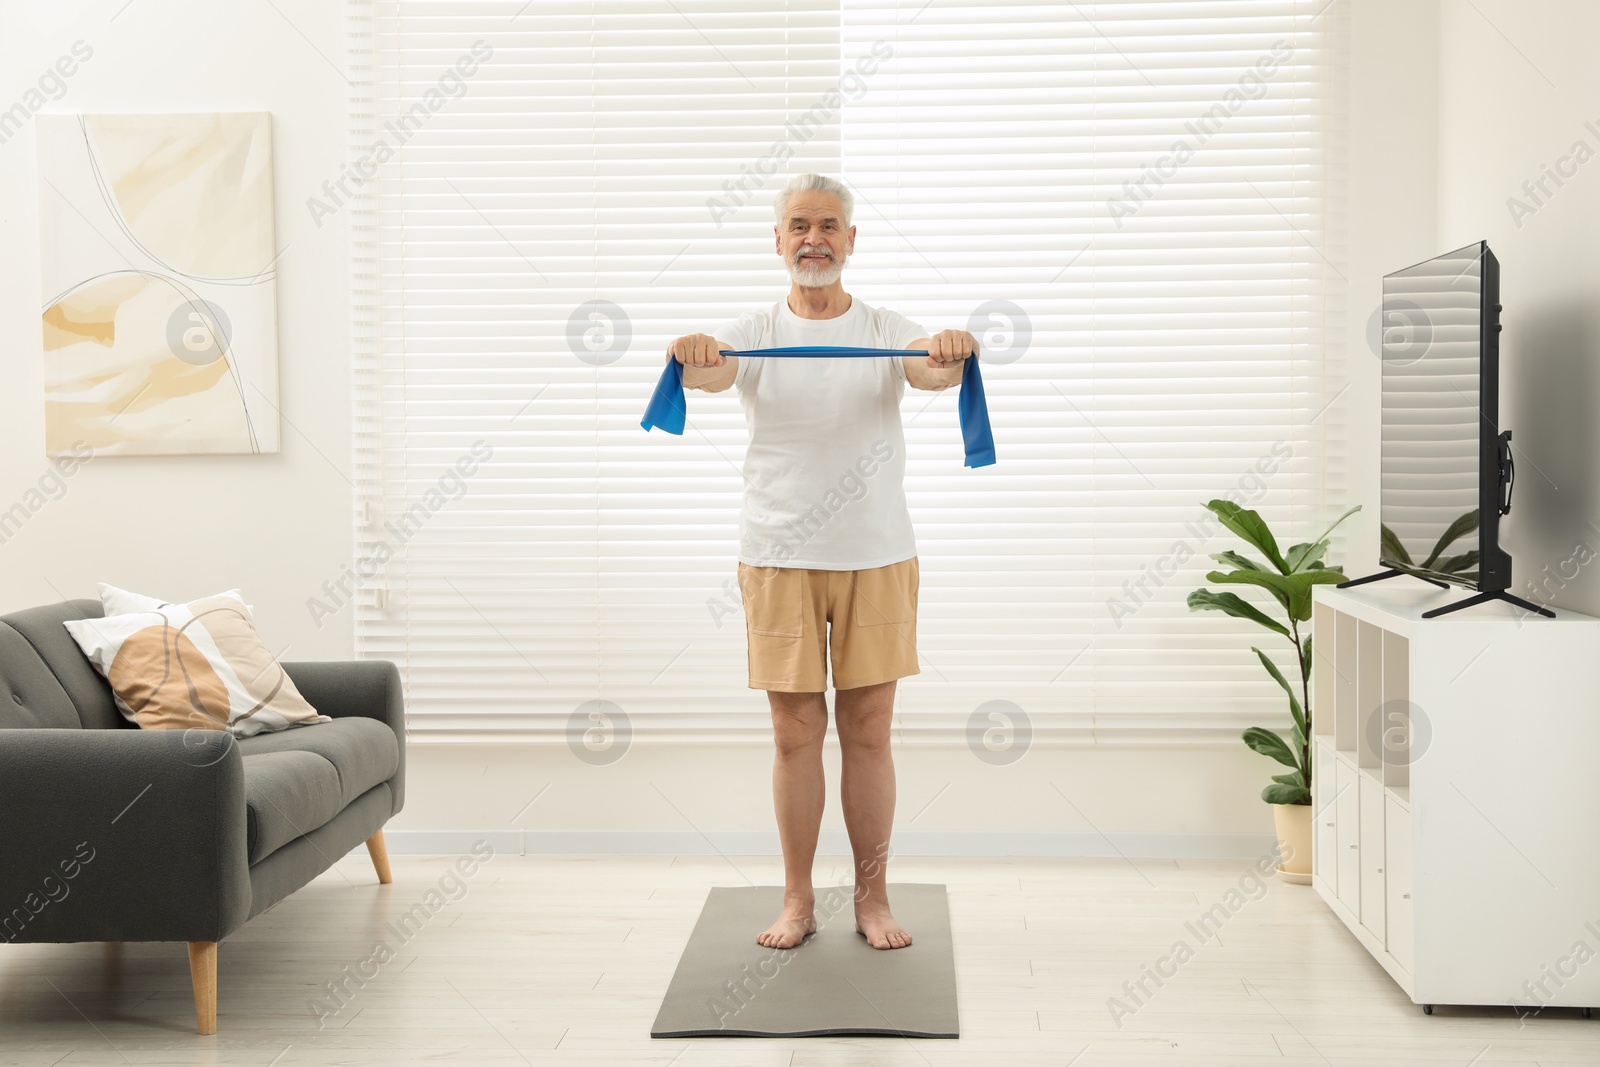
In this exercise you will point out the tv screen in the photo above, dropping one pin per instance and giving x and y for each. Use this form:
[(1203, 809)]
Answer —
[(1440, 464)]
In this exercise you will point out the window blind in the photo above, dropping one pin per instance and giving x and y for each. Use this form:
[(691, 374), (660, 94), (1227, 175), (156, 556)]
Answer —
[(1125, 202)]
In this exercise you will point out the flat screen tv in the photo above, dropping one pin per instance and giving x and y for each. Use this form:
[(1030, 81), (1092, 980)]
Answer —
[(1446, 469)]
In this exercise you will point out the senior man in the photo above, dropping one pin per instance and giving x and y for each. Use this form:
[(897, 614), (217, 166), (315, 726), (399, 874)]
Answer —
[(826, 539)]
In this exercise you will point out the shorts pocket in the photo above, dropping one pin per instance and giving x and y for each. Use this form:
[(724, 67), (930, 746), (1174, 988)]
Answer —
[(886, 596), (772, 606)]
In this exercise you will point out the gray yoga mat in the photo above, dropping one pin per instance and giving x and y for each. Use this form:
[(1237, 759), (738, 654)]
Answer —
[(726, 985)]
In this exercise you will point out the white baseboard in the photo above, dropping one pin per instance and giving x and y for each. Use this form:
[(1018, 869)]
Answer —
[(1170, 846)]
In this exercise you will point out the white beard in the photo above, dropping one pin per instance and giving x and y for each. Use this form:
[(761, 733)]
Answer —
[(817, 278)]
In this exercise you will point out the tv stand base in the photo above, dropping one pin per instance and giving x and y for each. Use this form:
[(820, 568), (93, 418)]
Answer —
[(1381, 575), (1484, 598)]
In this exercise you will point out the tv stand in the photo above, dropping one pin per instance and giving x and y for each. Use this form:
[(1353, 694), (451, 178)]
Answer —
[(1437, 834), (1481, 598), (1484, 598), (1381, 575)]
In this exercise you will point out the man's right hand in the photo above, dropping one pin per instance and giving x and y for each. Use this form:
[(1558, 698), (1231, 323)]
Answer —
[(697, 350)]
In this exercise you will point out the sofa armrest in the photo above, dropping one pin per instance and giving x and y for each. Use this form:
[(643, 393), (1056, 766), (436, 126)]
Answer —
[(366, 687), (121, 835)]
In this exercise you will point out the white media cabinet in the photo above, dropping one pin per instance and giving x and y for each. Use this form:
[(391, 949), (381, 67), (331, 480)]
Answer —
[(1456, 786)]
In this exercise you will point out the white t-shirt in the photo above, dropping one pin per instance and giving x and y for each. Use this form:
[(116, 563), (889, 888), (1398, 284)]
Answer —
[(824, 477)]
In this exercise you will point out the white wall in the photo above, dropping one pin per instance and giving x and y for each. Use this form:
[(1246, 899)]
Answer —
[(1388, 172), (1520, 93), (278, 526)]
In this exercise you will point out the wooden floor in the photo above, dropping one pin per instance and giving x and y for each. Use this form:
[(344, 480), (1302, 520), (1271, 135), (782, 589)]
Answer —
[(544, 960)]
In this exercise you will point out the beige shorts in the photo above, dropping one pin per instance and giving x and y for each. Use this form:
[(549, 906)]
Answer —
[(871, 619)]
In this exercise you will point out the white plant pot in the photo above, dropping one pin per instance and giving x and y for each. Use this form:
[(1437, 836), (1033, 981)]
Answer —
[(1293, 823)]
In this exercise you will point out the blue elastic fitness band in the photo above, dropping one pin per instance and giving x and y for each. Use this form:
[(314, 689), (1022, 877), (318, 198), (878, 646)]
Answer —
[(666, 408)]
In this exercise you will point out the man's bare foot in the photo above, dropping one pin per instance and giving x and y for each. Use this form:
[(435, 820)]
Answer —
[(798, 920), (879, 926)]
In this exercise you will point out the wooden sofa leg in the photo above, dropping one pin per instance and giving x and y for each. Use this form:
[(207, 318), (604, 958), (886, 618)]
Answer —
[(380, 857), (203, 975)]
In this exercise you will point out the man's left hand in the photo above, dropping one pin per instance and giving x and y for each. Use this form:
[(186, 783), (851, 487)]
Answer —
[(950, 347)]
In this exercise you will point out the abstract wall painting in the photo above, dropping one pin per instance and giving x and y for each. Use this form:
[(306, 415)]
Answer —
[(159, 280)]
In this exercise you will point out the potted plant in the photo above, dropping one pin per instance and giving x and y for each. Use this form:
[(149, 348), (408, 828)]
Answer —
[(1290, 578)]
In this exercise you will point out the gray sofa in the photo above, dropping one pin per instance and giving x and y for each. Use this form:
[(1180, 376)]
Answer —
[(113, 833)]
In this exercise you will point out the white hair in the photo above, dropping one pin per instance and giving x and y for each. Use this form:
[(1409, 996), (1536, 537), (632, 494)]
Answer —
[(815, 183)]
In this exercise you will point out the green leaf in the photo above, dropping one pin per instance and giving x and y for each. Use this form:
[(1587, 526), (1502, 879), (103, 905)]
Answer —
[(1458, 565), (1268, 743), (1329, 531), (1279, 585), (1232, 604), (1250, 526), (1306, 581), (1292, 591), (1242, 562), (1305, 658), (1301, 557), (1392, 548), (1292, 778), (1460, 527), (1278, 793), (1294, 702)]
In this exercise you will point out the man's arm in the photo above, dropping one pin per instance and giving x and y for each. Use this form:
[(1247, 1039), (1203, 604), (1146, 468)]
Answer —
[(944, 364)]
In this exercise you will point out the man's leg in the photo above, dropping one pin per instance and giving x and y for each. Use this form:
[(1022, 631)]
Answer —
[(862, 717), (799, 723)]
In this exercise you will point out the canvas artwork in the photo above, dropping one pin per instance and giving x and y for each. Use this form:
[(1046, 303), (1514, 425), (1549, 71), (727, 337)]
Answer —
[(158, 266)]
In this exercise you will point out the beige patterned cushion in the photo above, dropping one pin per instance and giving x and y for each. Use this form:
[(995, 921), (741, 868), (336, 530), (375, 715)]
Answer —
[(196, 665), (114, 601)]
